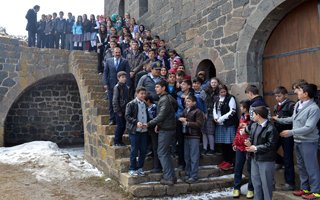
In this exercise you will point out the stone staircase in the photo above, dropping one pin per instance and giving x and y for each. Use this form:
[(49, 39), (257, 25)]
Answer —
[(114, 161)]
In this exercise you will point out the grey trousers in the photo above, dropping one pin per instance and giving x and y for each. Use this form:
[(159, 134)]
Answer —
[(309, 172), (191, 157), (165, 139), (262, 174)]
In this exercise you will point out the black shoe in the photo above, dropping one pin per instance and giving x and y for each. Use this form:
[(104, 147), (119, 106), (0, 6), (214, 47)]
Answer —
[(181, 167), (166, 182), (210, 152), (287, 187), (191, 180), (112, 123)]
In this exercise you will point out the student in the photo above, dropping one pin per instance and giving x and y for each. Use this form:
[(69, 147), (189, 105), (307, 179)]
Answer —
[(210, 94), (283, 109), (77, 31), (304, 130), (262, 146), (166, 132), (101, 42), (69, 34), (199, 94), (252, 92), (60, 30), (48, 31), (172, 85), (119, 102), (137, 116), (152, 111), (192, 120), (225, 116), (241, 153)]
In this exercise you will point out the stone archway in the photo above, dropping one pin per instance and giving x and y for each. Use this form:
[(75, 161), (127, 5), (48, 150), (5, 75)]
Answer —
[(254, 35), (207, 66), (49, 110)]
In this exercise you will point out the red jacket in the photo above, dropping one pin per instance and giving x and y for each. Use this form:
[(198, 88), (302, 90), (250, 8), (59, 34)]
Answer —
[(240, 139)]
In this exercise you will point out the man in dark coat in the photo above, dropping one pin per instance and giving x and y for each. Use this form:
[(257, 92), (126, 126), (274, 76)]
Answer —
[(32, 25), (111, 67)]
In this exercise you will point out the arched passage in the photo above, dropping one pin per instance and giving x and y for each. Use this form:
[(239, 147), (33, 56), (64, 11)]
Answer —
[(49, 110), (207, 66)]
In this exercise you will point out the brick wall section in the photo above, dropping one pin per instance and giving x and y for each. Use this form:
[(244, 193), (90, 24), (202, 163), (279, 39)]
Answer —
[(50, 110)]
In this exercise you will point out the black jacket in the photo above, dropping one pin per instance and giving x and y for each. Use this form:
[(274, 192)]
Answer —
[(165, 119), (31, 16), (120, 98), (266, 142), (285, 110), (132, 115)]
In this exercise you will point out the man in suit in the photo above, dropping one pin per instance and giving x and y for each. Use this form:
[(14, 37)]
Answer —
[(111, 67), (32, 25)]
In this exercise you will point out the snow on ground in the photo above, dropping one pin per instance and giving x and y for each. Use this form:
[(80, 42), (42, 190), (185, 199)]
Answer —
[(202, 196), (47, 162)]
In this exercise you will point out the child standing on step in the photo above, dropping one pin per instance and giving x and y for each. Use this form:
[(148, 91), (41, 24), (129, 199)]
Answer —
[(137, 116), (192, 120), (240, 149), (119, 102)]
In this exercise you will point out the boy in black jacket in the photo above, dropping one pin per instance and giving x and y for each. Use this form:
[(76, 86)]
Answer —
[(119, 102), (283, 109)]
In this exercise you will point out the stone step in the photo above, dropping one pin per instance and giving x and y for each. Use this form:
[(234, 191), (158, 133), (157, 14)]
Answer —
[(98, 111), (118, 152), (86, 71), (110, 139), (106, 129), (99, 103), (207, 171), (103, 120), (90, 76), (123, 163), (97, 95), (85, 82), (155, 189), (95, 88)]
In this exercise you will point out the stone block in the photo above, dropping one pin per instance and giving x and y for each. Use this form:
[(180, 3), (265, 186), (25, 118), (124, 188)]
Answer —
[(105, 129), (238, 3), (159, 190), (229, 61), (177, 189), (234, 25), (141, 190), (191, 33), (199, 187), (126, 180), (226, 8), (118, 152), (217, 33), (214, 14)]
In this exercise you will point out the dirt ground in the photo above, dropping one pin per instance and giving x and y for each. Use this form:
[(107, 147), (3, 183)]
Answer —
[(15, 183)]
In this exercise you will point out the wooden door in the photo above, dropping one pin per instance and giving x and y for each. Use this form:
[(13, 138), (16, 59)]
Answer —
[(293, 51)]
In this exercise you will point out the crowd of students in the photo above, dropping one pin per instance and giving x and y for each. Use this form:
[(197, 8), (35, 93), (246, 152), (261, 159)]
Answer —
[(167, 111)]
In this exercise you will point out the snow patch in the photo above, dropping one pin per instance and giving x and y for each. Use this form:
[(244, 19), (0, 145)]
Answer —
[(47, 162)]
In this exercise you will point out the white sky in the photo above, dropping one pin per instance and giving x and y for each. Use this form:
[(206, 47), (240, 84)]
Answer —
[(13, 12)]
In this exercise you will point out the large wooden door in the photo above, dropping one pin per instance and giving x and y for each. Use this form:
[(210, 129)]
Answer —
[(293, 51)]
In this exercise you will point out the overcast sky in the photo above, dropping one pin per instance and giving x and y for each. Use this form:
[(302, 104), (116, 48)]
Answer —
[(13, 12)]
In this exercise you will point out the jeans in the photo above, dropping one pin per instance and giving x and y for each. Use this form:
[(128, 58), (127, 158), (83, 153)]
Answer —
[(165, 139), (307, 161), (238, 169), (180, 139), (191, 157), (69, 41), (138, 142), (121, 127)]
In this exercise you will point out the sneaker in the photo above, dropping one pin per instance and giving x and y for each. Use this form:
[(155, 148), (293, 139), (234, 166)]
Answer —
[(226, 166), (287, 187), (133, 173), (311, 196), (221, 164), (191, 180), (250, 194), (140, 172), (300, 192), (236, 193)]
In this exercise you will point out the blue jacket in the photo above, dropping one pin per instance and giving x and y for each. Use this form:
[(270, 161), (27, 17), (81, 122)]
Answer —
[(77, 29)]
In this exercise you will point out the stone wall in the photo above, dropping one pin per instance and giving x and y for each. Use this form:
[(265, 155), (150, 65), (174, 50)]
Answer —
[(49, 110), (230, 33)]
